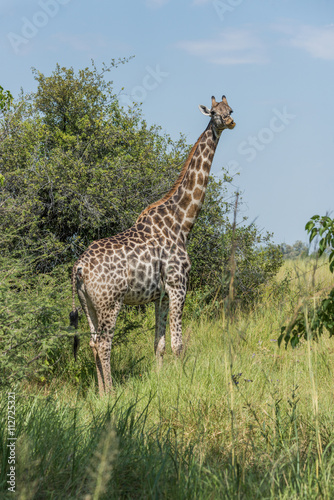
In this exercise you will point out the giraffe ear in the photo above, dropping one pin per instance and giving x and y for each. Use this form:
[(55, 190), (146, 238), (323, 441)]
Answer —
[(204, 110)]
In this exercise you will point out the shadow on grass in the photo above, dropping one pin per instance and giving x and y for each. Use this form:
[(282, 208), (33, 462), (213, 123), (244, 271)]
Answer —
[(95, 449)]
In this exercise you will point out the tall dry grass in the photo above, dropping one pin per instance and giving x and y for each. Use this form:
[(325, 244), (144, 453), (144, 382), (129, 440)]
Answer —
[(236, 417)]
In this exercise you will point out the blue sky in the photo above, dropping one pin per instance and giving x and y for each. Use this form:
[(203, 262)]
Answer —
[(273, 59)]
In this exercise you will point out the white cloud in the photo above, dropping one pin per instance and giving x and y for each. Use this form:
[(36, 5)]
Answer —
[(88, 43), (239, 46), (317, 41)]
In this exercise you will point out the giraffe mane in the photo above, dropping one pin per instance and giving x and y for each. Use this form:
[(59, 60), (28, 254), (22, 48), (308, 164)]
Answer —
[(177, 182)]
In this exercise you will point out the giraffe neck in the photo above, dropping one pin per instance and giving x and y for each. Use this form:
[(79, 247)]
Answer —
[(176, 213), (187, 200)]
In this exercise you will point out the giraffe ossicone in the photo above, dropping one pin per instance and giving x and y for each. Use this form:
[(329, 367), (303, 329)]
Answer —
[(149, 261)]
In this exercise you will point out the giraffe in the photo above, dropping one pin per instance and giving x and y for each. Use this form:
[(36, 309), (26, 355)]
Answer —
[(149, 261)]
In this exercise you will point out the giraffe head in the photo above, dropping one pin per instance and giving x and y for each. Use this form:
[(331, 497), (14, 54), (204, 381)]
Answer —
[(220, 114)]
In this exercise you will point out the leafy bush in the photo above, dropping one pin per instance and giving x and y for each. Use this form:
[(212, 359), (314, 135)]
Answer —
[(309, 322), (256, 259), (311, 319)]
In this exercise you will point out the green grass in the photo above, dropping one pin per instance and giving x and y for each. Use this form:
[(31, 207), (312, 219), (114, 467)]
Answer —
[(236, 417)]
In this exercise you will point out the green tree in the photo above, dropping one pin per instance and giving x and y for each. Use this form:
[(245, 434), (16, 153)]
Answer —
[(78, 167), (295, 251), (6, 99), (205, 240), (213, 239)]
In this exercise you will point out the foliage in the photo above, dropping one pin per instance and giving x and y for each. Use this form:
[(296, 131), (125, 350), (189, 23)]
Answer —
[(257, 260), (77, 167), (5, 99), (205, 239), (310, 321), (34, 337), (323, 227)]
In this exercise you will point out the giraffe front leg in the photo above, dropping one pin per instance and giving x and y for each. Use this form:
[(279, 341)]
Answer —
[(177, 297), (161, 312)]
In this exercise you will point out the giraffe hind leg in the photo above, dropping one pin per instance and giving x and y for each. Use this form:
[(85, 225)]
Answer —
[(161, 312), (91, 316), (93, 325), (99, 370), (106, 328)]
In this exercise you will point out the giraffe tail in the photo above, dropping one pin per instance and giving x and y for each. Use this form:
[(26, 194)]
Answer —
[(74, 316)]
